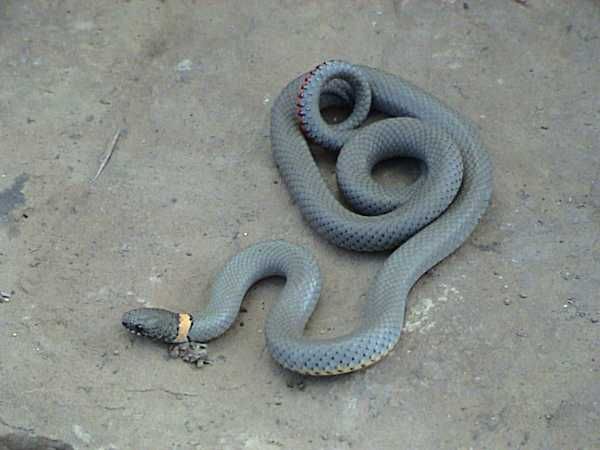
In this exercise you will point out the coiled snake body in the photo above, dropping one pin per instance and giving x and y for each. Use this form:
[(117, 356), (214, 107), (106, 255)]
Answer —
[(424, 223)]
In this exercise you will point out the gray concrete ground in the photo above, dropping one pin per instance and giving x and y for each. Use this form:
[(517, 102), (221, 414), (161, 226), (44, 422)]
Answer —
[(502, 338)]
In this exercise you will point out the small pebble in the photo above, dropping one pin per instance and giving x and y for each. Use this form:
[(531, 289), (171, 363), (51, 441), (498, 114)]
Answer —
[(521, 295), (296, 383), (507, 301), (184, 65)]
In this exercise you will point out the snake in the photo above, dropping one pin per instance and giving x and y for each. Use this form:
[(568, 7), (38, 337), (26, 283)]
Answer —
[(419, 224)]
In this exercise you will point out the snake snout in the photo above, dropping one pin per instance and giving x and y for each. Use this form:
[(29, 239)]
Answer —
[(131, 321)]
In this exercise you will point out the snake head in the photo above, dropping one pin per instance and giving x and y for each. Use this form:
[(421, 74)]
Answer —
[(159, 324)]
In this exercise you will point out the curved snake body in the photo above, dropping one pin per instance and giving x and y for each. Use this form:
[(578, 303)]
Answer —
[(423, 223)]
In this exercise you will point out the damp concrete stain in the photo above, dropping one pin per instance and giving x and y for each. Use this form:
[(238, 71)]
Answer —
[(12, 197), (26, 441)]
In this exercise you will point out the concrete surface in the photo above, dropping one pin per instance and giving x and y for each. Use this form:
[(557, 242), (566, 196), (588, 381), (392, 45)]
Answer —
[(501, 343)]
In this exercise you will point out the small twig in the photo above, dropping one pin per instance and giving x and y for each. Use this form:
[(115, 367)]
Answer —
[(166, 391), (111, 150), (15, 427)]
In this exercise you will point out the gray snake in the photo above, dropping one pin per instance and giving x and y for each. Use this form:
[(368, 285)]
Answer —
[(422, 224)]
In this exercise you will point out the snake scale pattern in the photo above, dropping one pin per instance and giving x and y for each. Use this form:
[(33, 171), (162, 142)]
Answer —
[(422, 223)]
